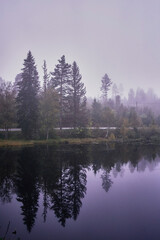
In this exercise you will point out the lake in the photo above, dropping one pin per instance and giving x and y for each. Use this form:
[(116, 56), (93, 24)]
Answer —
[(85, 192)]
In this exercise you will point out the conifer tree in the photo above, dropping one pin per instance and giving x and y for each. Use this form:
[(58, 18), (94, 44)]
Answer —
[(48, 105), (60, 82), (45, 76), (77, 98), (106, 83), (27, 98)]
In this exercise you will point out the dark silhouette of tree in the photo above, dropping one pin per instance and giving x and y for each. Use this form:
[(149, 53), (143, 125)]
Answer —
[(6, 189), (77, 187), (27, 98), (70, 187), (60, 82), (27, 188), (106, 181), (77, 179), (77, 98), (61, 200), (46, 202), (7, 171), (50, 176)]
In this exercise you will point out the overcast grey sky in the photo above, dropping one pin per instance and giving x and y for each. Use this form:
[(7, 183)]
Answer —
[(117, 37)]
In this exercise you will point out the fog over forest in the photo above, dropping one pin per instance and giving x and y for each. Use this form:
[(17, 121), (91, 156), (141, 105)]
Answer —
[(79, 64), (120, 38), (61, 101)]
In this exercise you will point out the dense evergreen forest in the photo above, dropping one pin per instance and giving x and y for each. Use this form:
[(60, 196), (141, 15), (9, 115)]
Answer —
[(61, 102)]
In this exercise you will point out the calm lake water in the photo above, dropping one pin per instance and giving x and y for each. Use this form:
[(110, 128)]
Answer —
[(80, 192)]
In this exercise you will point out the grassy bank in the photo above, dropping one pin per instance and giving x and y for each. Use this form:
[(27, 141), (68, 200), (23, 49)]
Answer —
[(76, 141), (89, 136), (147, 135), (19, 143)]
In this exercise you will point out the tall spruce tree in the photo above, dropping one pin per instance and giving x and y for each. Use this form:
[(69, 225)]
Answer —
[(77, 98), (27, 98), (60, 82)]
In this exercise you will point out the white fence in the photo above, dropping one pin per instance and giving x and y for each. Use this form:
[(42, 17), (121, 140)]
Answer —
[(10, 130)]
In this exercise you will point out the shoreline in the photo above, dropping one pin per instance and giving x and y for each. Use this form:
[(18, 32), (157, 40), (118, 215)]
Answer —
[(74, 141)]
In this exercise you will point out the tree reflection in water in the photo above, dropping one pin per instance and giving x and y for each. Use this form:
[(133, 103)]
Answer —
[(60, 173), (27, 186), (69, 186), (7, 170)]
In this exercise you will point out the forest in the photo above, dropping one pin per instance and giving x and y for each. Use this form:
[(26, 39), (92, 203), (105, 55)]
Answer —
[(59, 101)]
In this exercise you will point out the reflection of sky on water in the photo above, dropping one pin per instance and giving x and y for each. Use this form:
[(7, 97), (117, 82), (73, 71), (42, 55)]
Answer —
[(70, 195), (142, 166)]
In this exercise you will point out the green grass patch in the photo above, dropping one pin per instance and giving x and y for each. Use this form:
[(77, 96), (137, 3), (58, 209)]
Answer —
[(19, 143)]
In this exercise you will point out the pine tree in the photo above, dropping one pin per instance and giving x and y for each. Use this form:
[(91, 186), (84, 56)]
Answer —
[(48, 105), (27, 98), (45, 76), (77, 98), (106, 83), (60, 82)]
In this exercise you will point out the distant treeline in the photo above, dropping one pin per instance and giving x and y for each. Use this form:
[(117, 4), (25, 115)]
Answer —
[(62, 102)]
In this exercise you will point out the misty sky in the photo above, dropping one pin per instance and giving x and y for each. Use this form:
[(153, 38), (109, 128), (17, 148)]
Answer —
[(117, 37)]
